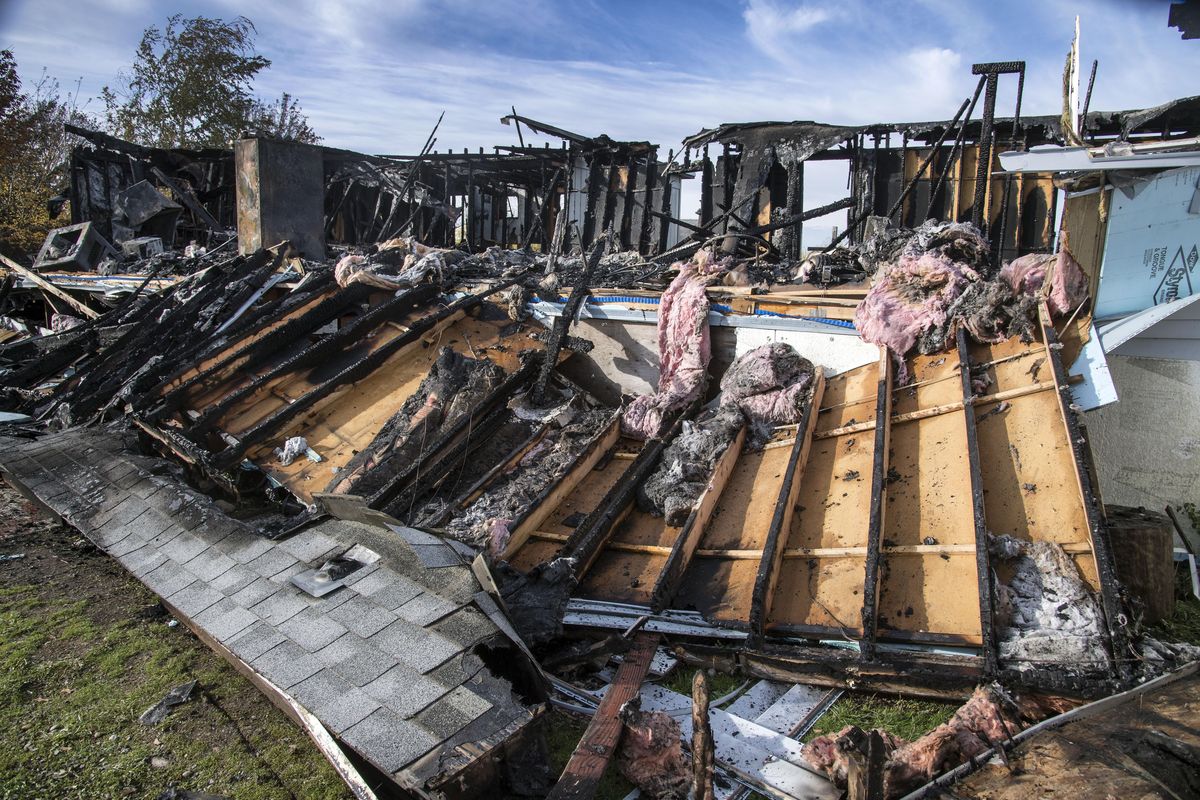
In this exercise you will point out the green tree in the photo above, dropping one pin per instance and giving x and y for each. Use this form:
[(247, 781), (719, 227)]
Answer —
[(35, 151), (191, 86), (283, 119)]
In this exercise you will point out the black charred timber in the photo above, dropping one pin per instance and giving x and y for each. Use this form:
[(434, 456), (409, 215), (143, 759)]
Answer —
[(879, 469), (175, 333), (433, 466), (612, 175), (792, 242), (998, 240), (665, 207), (647, 228), (627, 207), (983, 567), (1064, 682), (803, 216), (954, 153), (588, 540), (706, 189), (563, 322), (729, 172), (399, 306), (1114, 615), (766, 579), (259, 351), (357, 371), (472, 210), (413, 481), (593, 195), (920, 674), (983, 168)]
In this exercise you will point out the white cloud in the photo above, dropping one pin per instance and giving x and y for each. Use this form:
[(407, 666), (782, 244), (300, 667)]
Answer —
[(777, 30)]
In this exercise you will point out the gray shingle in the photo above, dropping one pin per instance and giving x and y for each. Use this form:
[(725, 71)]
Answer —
[(233, 580), (194, 598), (168, 578), (285, 577), (210, 564), (225, 619), (281, 606), (143, 560), (453, 712), (312, 630), (388, 588), (334, 701), (466, 626), (272, 562), (389, 742), (362, 616), (417, 647), (457, 670), (184, 547), (254, 641), (404, 690), (355, 660), (286, 664), (254, 593), (309, 545), (245, 548), (425, 608)]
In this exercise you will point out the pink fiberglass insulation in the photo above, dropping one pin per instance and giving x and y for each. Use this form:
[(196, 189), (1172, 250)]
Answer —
[(684, 351), (977, 725), (1068, 284), (651, 753), (769, 384)]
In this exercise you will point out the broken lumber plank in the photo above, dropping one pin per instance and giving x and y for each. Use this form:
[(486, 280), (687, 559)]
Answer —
[(767, 578), (879, 477), (982, 560), (554, 494), (1097, 526), (702, 740), (47, 286), (684, 548), (581, 777), (186, 197)]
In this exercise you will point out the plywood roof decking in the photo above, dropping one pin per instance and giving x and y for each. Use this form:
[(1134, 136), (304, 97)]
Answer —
[(929, 576)]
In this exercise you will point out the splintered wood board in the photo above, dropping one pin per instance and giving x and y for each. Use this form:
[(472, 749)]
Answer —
[(586, 495), (586, 461), (230, 369), (832, 510), (930, 498), (1030, 488), (349, 419), (720, 588)]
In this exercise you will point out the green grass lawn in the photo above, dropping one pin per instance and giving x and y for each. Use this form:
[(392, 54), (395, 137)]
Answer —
[(85, 649)]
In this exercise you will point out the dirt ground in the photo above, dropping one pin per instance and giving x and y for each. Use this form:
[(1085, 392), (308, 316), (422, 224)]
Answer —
[(85, 649)]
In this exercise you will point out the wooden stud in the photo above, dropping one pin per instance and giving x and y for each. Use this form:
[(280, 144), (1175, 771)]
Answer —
[(47, 286), (879, 477), (581, 777), (771, 562), (982, 560), (685, 545)]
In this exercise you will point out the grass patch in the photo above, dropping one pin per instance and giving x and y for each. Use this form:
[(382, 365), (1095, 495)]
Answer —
[(73, 685), (904, 717), (563, 732), (1184, 624), (719, 683)]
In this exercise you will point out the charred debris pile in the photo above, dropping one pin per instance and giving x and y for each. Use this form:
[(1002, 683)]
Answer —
[(656, 441)]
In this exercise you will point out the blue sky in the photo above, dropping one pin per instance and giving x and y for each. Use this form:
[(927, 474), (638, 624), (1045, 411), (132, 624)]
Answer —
[(373, 75)]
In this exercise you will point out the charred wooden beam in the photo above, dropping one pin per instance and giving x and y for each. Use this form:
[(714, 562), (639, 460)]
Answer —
[(1114, 615), (706, 189), (356, 371), (876, 519), (983, 567), (767, 578), (684, 547), (396, 307), (627, 209), (645, 233), (257, 352), (588, 540), (562, 323), (593, 195), (462, 431)]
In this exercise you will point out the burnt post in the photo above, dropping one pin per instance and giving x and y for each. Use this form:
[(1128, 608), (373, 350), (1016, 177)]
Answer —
[(702, 741), (983, 167)]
